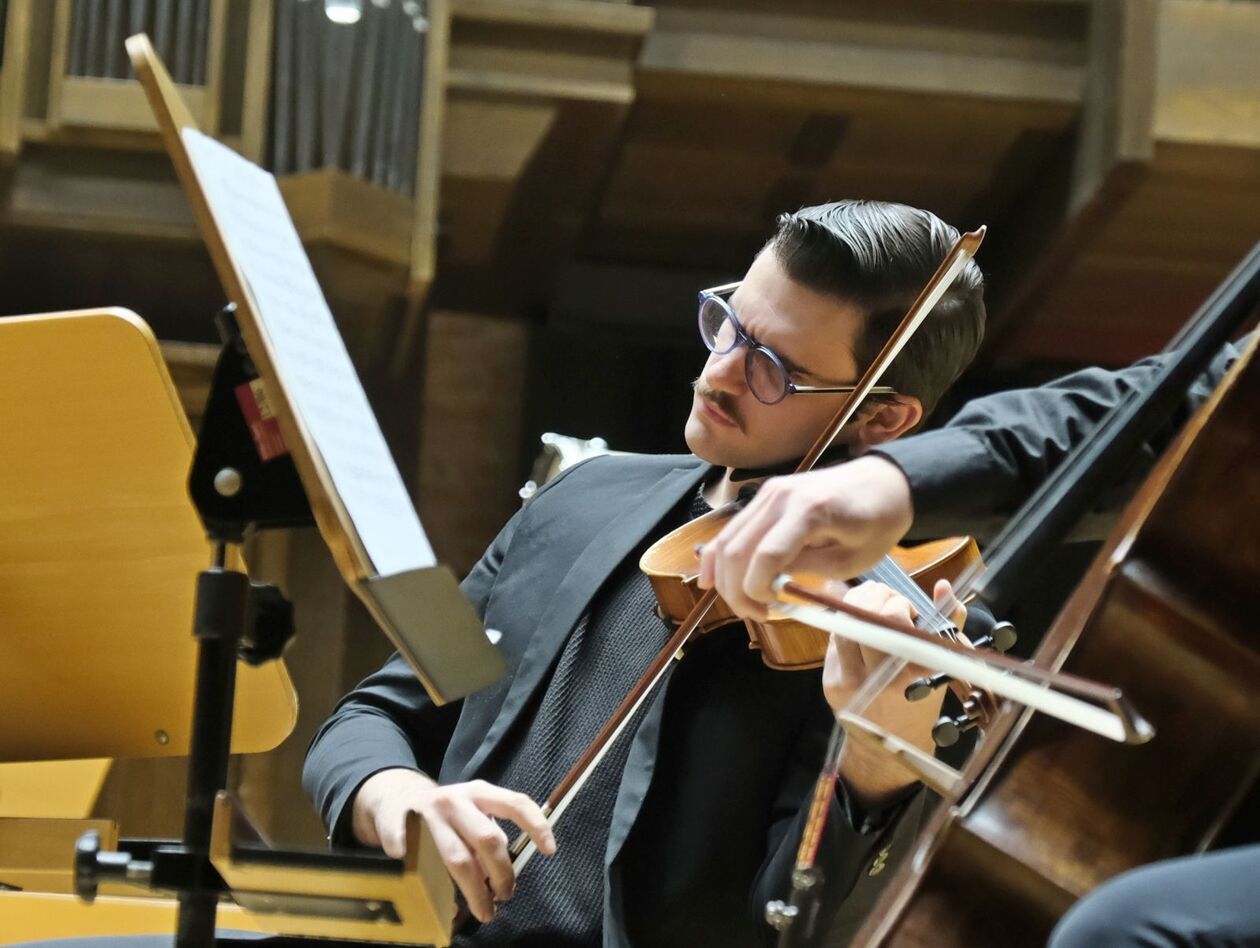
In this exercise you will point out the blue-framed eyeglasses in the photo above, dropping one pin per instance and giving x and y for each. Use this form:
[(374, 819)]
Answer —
[(767, 377)]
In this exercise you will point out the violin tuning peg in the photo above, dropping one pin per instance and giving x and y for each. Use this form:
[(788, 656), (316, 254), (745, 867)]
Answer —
[(1000, 639), (947, 730), (1004, 636), (920, 688)]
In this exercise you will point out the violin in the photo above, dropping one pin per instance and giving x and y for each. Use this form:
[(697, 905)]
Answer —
[(785, 644)]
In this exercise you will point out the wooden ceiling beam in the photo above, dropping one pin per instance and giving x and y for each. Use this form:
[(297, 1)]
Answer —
[(618, 19), (1162, 199), (1208, 83), (578, 50), (826, 51), (538, 93)]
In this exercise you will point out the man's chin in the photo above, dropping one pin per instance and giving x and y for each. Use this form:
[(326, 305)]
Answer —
[(696, 436), (702, 441), (716, 447)]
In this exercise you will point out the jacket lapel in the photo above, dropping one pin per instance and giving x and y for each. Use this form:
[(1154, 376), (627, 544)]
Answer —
[(640, 514), (635, 780)]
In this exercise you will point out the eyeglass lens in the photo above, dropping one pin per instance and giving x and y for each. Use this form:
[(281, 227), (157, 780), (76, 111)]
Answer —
[(765, 376), (716, 327)]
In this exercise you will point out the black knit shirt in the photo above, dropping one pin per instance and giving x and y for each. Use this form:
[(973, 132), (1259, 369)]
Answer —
[(559, 900)]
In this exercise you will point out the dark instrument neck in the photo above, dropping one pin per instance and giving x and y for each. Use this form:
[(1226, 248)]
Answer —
[(1061, 501)]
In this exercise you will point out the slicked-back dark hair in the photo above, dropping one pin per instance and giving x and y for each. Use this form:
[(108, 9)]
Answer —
[(878, 256)]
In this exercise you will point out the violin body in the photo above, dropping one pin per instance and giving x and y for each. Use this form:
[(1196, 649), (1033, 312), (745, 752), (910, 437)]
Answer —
[(670, 565), (1046, 812)]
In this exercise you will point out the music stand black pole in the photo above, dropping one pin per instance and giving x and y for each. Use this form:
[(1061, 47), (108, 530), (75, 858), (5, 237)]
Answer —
[(219, 624), (235, 491)]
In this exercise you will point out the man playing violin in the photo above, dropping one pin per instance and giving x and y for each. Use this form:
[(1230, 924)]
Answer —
[(690, 823)]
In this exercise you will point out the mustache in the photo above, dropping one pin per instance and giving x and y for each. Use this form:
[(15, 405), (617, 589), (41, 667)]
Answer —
[(721, 399)]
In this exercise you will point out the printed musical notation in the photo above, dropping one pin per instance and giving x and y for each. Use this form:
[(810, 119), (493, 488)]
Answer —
[(308, 352)]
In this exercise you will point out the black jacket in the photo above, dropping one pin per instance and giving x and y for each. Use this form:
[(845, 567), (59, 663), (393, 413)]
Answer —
[(718, 780)]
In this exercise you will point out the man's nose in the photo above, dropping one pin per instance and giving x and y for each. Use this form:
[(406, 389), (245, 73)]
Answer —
[(726, 372)]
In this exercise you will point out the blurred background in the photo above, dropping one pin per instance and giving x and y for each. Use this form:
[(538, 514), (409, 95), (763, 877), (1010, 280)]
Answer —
[(511, 205)]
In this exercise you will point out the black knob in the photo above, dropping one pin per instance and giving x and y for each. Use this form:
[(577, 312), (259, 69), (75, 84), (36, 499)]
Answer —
[(1004, 636), (86, 880), (91, 865), (272, 626), (947, 730), (920, 688)]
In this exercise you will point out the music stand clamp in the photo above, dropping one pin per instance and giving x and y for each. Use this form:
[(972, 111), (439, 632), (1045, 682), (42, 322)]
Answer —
[(235, 491)]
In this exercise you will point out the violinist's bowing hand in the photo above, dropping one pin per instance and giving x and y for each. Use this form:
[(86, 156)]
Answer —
[(838, 521), (874, 777), (472, 845)]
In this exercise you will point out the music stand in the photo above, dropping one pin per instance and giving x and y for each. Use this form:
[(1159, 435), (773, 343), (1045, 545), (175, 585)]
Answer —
[(312, 392), (299, 441)]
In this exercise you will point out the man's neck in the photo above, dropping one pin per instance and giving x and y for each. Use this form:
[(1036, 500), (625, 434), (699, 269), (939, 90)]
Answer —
[(725, 489), (722, 490)]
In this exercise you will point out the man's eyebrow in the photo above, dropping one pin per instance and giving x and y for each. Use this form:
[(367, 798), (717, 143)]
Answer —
[(792, 366), (797, 369), (788, 363)]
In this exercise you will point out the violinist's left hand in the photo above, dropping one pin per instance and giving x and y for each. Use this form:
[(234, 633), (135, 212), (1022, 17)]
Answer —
[(871, 776)]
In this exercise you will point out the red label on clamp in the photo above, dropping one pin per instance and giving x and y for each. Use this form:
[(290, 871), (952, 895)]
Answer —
[(252, 398)]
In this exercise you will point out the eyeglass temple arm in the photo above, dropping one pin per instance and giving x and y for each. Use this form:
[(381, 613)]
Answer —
[(830, 389)]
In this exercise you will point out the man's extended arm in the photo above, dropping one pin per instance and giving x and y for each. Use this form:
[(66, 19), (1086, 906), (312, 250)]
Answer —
[(989, 458), (388, 721), (997, 450)]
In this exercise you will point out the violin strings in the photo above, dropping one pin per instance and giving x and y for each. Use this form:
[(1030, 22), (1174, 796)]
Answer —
[(890, 574)]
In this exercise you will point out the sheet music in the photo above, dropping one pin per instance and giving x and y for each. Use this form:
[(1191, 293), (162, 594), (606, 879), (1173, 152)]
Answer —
[(309, 354)]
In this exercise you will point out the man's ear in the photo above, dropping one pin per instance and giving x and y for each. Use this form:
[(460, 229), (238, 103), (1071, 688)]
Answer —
[(886, 420)]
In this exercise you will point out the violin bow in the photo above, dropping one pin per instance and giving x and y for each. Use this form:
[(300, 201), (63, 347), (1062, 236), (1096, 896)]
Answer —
[(1099, 708)]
